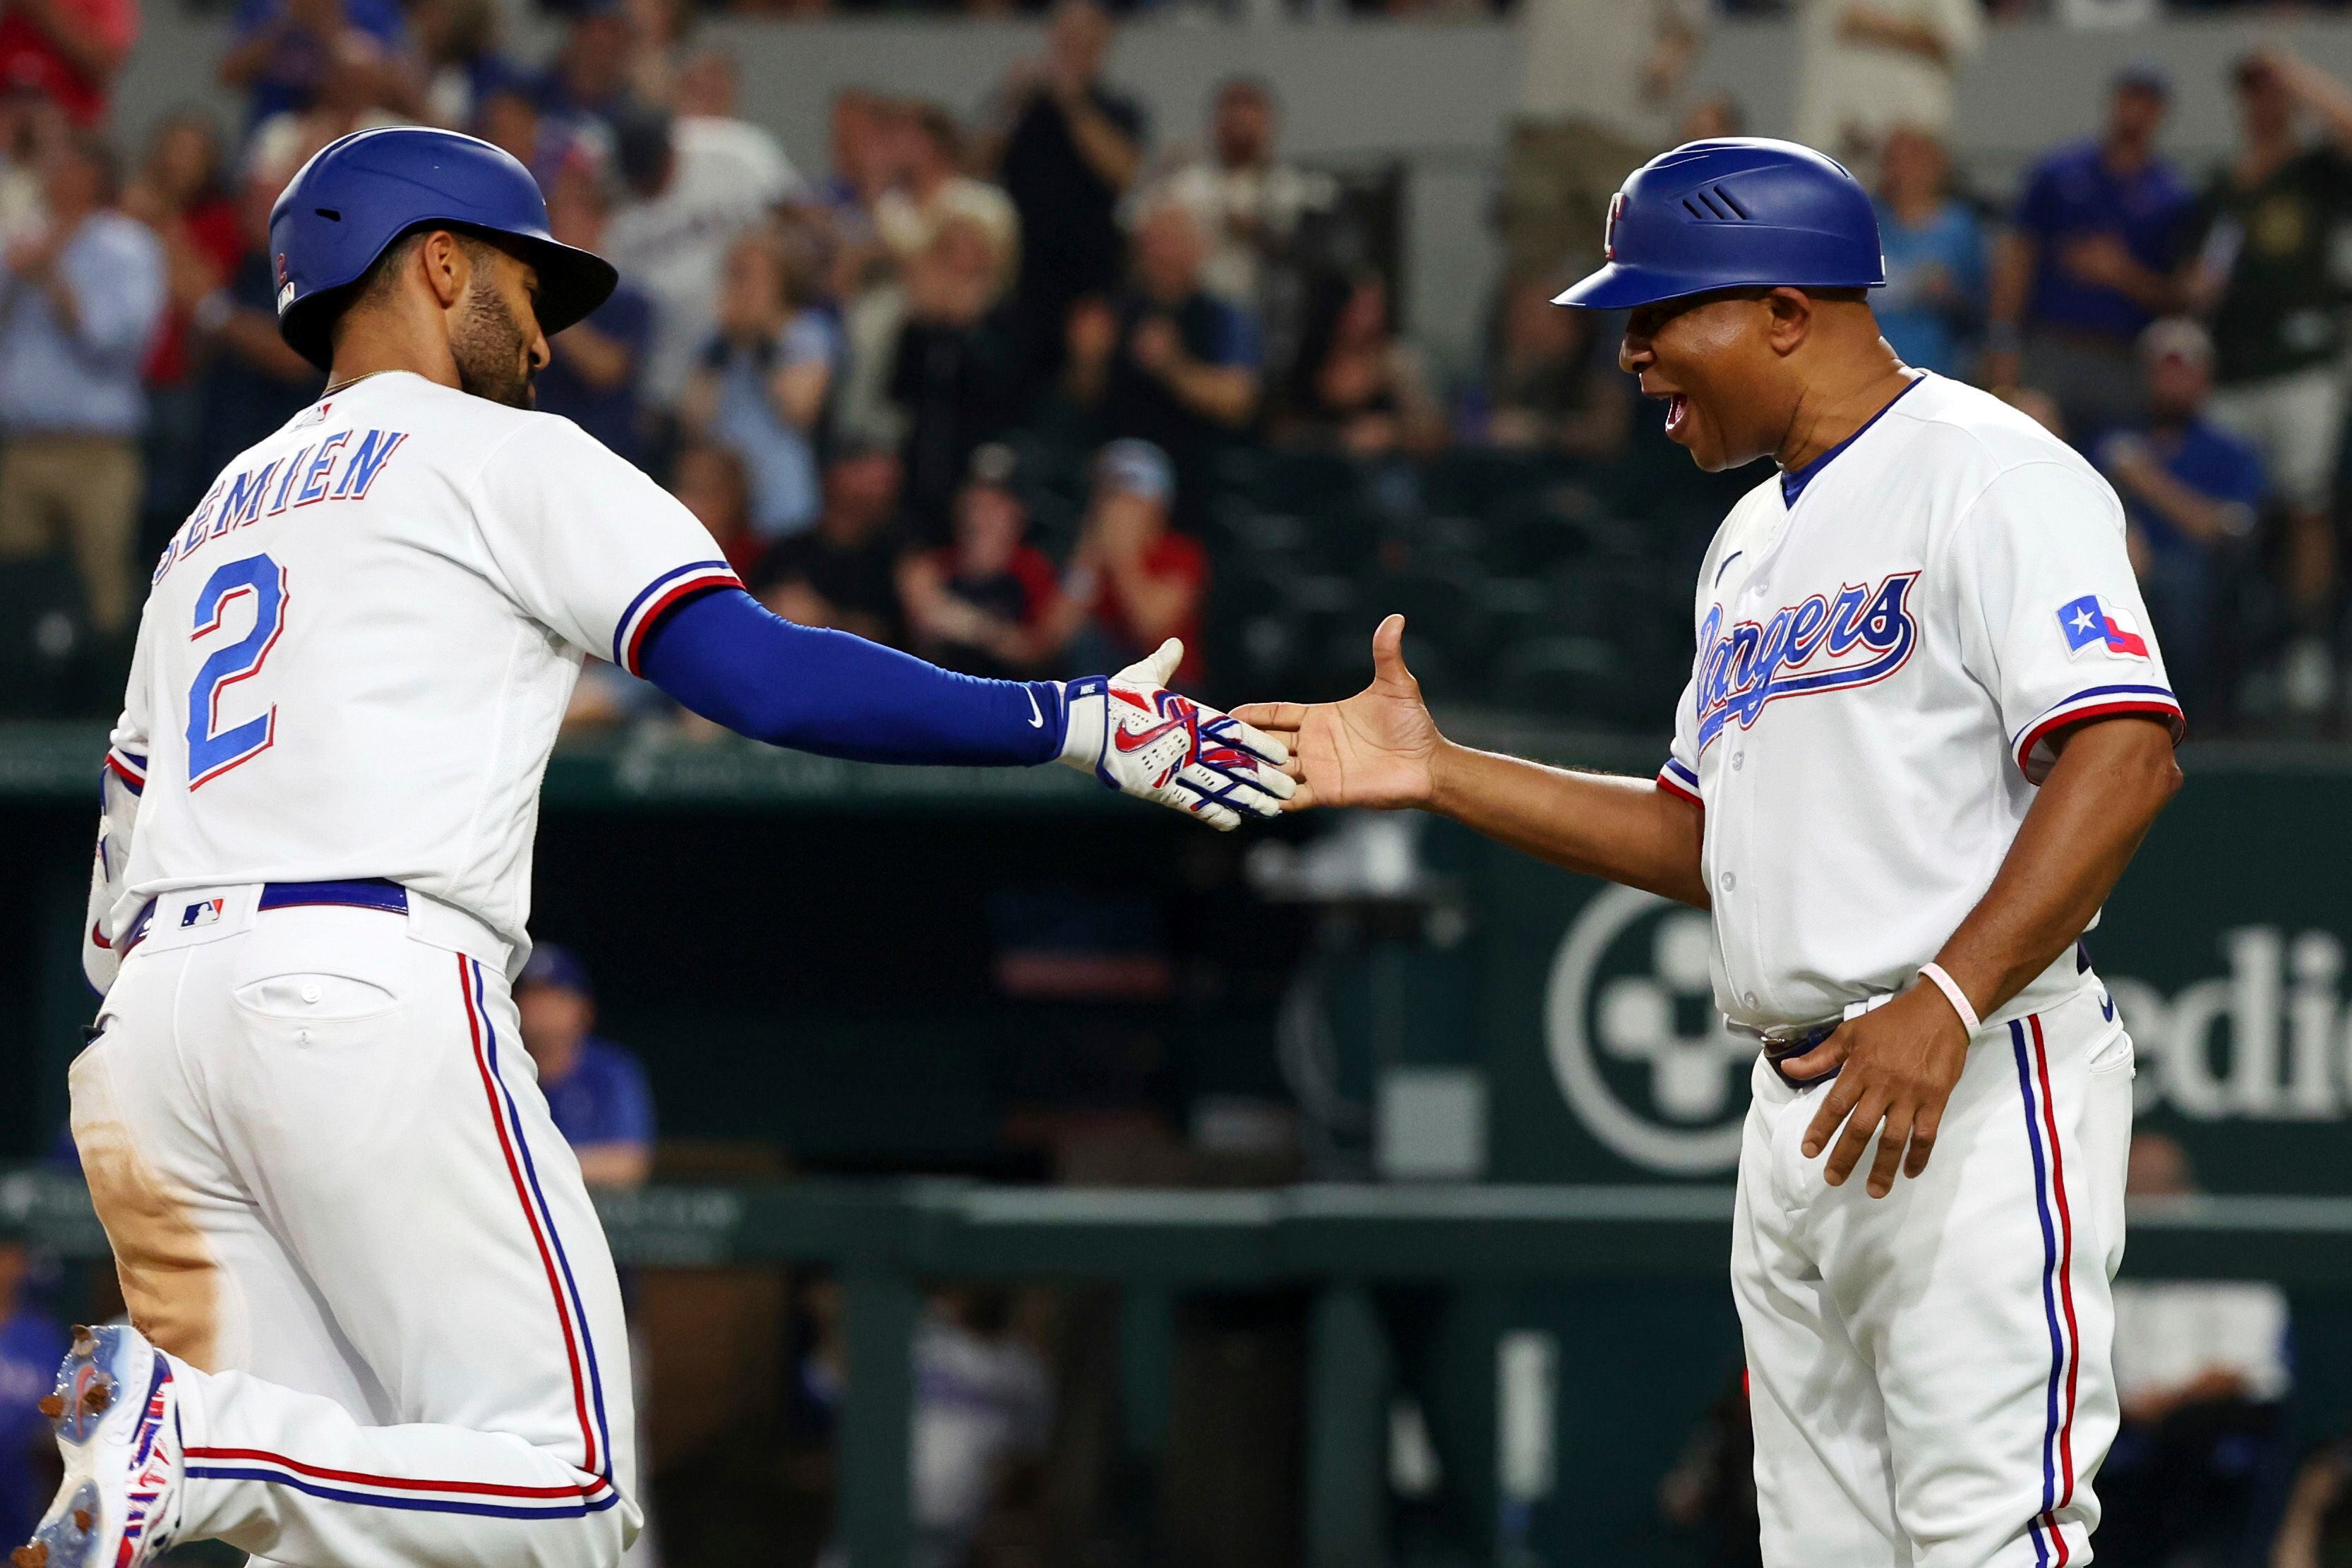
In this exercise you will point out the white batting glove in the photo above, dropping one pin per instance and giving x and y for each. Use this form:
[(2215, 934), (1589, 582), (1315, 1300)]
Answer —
[(1140, 738)]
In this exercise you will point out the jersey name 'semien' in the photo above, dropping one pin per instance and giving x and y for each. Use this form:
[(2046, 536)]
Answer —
[(308, 699)]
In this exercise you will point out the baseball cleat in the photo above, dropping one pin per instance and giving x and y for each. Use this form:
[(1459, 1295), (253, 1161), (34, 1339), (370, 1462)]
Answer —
[(117, 1420)]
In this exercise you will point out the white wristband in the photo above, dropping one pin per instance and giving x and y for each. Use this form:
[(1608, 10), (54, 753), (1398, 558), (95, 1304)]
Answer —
[(1952, 994)]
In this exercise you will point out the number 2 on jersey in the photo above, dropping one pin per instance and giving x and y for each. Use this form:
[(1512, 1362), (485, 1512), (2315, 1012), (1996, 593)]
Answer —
[(212, 750)]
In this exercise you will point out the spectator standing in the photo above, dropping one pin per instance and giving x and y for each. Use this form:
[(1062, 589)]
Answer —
[(953, 372), (764, 378), (1552, 385), (990, 602), (179, 196), (596, 1091), (695, 185), (590, 377), (2090, 262), (1935, 252), (2192, 493), (251, 382), (1185, 375), (1358, 387), (458, 57), (31, 1344), (930, 188), (861, 150), (1865, 67), (29, 124), (1601, 90), (68, 50), (708, 86), (2200, 1370), (588, 82), (1066, 148), (842, 573), (1139, 581), (507, 115), (285, 51), (1255, 209), (79, 305), (2265, 279)]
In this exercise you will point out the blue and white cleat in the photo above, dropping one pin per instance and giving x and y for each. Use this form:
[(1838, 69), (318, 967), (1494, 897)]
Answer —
[(117, 1417)]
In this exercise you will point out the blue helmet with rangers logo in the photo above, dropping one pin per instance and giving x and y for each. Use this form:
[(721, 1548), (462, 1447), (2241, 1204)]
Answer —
[(1739, 212), (362, 193)]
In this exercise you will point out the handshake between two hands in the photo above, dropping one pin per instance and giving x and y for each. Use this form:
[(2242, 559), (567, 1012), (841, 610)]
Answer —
[(1893, 1068), (1376, 750)]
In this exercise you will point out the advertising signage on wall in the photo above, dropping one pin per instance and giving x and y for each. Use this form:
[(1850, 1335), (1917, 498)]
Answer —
[(2225, 950)]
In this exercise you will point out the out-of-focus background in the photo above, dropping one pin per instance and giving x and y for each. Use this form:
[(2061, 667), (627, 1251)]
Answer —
[(1008, 1176)]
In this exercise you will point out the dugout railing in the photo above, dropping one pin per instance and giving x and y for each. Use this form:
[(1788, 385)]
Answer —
[(885, 1240)]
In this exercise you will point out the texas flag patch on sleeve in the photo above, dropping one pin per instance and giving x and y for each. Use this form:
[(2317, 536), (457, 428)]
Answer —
[(2087, 624)]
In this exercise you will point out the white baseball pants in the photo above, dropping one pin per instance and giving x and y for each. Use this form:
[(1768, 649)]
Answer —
[(1929, 1371), (337, 1201)]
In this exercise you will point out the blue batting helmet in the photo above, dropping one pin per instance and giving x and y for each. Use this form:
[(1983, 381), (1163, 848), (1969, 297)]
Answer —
[(362, 191), (1742, 212)]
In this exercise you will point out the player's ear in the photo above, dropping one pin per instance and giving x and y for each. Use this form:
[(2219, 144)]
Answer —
[(1789, 314), (447, 266)]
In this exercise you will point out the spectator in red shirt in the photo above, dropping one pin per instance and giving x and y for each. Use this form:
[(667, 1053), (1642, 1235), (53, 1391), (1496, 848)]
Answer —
[(1143, 581), (179, 194), (989, 603), (70, 49)]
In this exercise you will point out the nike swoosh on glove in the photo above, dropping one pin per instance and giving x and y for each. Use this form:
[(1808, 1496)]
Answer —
[(1140, 738)]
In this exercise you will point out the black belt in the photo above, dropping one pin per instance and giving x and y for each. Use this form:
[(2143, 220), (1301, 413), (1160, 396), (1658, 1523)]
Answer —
[(372, 893), (1777, 1053)]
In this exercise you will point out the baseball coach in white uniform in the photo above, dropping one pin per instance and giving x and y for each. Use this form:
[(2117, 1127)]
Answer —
[(1925, 729)]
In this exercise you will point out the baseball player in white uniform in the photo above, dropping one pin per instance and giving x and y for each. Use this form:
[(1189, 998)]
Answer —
[(375, 1319), (1925, 730)]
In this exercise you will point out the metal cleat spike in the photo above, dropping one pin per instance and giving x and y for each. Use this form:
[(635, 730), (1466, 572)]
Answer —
[(33, 1555), (53, 1407), (82, 1519), (98, 1399)]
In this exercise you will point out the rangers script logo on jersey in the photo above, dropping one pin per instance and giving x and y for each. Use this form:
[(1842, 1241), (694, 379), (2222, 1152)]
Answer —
[(1862, 633)]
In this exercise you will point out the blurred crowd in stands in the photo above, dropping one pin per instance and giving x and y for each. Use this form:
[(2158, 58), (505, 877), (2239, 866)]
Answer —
[(1027, 391)]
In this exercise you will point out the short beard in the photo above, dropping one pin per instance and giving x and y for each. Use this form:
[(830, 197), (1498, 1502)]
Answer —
[(493, 362)]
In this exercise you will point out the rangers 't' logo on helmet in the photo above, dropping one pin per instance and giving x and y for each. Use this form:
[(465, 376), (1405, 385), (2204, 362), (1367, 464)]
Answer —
[(1609, 231)]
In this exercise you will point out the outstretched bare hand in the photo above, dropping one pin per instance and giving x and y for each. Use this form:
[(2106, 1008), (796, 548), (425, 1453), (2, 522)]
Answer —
[(1377, 749)]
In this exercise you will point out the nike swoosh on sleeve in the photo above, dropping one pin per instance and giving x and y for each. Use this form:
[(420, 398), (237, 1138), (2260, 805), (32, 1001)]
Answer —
[(1036, 718)]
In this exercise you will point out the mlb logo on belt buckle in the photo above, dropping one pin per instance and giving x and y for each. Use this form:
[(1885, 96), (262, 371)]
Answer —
[(203, 913)]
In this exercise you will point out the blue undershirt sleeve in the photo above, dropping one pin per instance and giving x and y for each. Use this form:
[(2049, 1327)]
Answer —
[(723, 655)]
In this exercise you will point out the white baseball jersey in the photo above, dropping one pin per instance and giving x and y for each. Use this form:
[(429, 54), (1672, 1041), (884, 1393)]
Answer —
[(1886, 642), (357, 651)]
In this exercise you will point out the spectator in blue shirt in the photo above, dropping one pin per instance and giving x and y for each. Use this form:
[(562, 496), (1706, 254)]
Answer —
[(766, 378), (79, 304), (2192, 494), (1185, 373), (2090, 261), (1935, 252), (587, 83), (285, 49), (31, 1346), (591, 374), (596, 1091)]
